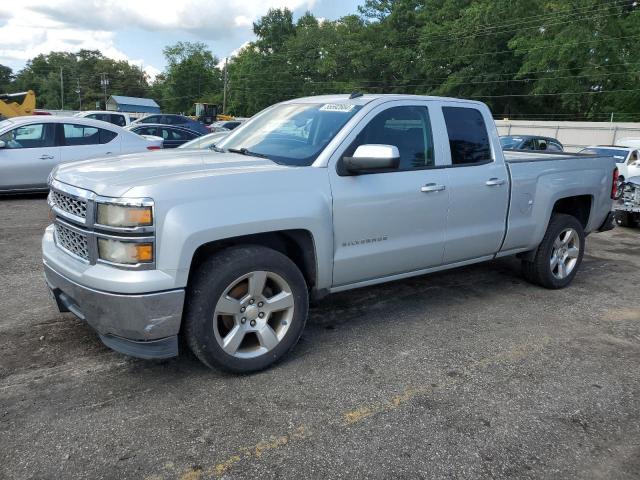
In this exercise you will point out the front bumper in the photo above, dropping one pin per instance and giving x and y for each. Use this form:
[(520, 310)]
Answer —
[(140, 325)]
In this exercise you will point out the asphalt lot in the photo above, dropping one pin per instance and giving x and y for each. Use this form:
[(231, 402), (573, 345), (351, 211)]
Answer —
[(467, 374)]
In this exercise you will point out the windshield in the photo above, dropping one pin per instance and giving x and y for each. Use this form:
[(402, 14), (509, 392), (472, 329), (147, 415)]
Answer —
[(291, 134), (619, 155), (510, 142)]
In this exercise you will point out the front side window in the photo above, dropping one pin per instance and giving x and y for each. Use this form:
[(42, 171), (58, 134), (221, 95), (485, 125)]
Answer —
[(632, 158), (147, 131), (468, 137), (292, 134), (542, 144), (38, 135), (407, 128), (175, 134)]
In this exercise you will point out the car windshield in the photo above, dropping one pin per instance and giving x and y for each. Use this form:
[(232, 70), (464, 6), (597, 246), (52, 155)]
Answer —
[(291, 134), (618, 154), (510, 142)]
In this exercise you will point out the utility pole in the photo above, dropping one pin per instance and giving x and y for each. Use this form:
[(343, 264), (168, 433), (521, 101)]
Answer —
[(79, 95), (104, 81), (61, 90), (224, 90)]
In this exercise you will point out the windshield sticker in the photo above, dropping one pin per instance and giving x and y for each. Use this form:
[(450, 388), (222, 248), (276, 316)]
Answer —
[(337, 107)]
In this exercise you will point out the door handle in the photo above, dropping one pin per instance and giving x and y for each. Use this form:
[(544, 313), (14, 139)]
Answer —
[(46, 157), (432, 187), (108, 153), (494, 182)]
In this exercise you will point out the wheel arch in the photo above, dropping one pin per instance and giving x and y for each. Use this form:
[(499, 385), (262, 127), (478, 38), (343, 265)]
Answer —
[(297, 244)]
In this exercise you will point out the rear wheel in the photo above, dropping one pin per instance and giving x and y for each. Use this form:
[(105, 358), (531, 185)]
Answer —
[(559, 255), (247, 307)]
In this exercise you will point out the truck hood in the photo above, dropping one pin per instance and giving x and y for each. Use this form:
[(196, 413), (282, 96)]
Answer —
[(114, 176)]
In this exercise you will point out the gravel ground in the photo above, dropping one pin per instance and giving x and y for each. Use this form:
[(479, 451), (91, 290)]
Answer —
[(471, 373)]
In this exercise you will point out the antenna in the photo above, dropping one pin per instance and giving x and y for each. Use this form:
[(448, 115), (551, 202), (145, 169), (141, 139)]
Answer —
[(355, 95)]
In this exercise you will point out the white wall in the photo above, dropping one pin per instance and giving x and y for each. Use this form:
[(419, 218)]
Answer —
[(573, 135)]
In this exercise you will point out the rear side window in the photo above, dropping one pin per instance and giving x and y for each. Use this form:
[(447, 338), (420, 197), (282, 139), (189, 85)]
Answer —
[(554, 147), (75, 135), (118, 120), (152, 119), (107, 135), (468, 137)]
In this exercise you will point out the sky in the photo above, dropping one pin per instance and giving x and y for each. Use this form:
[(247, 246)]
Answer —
[(138, 30)]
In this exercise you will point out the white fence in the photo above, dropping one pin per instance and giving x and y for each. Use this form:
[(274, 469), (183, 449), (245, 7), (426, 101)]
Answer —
[(573, 135)]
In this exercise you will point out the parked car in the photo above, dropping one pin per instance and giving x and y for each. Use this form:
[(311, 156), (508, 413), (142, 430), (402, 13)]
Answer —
[(173, 135), (632, 142), (627, 158), (224, 125), (178, 120), (117, 118), (206, 141), (31, 146), (225, 247), (530, 142), (627, 209)]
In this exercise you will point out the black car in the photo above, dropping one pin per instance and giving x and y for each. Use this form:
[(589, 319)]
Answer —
[(530, 142), (178, 120), (173, 135)]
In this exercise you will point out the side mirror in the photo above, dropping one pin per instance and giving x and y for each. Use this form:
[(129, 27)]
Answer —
[(372, 157), (2, 144)]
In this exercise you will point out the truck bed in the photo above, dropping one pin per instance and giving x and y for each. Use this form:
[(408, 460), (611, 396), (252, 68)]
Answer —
[(518, 156)]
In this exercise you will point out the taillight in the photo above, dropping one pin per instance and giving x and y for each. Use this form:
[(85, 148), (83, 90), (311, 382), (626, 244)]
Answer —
[(153, 147), (614, 185)]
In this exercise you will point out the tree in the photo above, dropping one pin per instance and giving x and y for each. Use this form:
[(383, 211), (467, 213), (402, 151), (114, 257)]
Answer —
[(6, 79), (192, 75)]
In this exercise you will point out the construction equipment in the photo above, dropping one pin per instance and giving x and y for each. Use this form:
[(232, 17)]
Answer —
[(207, 113), (17, 104)]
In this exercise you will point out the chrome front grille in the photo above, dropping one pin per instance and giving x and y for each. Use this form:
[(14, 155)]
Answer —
[(69, 204), (72, 241)]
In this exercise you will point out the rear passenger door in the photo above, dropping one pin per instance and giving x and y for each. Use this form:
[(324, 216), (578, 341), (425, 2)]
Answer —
[(80, 142), (392, 221), (479, 187)]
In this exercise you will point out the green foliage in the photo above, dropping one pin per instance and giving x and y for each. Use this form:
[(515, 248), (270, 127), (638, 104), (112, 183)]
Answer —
[(525, 58), (191, 76), (83, 69)]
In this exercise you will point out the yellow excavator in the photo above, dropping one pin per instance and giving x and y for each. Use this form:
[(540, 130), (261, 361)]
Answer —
[(207, 113), (17, 104)]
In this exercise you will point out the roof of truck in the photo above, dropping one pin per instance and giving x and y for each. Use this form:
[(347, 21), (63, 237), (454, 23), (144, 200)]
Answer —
[(367, 98)]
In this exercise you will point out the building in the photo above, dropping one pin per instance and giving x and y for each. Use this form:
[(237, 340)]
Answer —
[(119, 103)]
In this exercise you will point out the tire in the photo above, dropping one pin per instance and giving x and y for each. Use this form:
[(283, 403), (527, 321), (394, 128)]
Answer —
[(234, 324), (540, 271)]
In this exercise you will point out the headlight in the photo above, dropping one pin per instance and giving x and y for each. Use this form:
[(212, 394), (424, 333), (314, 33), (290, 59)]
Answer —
[(130, 253), (113, 215)]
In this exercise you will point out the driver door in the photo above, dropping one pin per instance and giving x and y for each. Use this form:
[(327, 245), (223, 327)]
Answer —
[(390, 222), (29, 155)]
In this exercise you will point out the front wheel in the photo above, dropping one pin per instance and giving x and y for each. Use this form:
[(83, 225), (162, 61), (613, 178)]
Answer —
[(559, 255), (246, 308)]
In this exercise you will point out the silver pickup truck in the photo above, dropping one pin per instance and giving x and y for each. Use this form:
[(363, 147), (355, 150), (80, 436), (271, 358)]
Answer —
[(224, 247)]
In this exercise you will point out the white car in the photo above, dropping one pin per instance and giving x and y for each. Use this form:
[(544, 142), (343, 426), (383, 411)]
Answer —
[(627, 158), (31, 146), (117, 118)]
